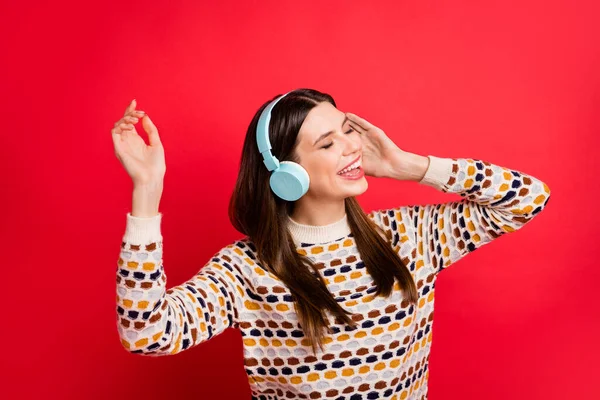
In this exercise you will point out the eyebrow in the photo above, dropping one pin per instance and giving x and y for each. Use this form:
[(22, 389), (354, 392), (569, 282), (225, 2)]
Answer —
[(323, 136)]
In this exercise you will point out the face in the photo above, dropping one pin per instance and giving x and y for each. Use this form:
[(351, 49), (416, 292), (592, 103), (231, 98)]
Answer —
[(327, 145)]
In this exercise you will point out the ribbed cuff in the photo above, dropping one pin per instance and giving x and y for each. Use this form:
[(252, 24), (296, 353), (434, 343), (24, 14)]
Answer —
[(141, 231), (438, 173)]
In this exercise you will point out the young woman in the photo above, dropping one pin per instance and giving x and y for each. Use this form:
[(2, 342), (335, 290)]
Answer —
[(331, 302)]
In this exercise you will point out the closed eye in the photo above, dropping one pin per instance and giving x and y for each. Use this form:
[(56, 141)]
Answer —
[(331, 144)]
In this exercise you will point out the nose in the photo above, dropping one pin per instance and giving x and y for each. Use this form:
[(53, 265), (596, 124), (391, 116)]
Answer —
[(353, 144)]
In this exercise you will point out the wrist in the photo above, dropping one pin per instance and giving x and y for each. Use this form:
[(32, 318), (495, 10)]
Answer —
[(154, 185), (409, 166), (146, 200)]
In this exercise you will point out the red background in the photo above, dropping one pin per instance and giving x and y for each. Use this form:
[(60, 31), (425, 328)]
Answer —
[(514, 83)]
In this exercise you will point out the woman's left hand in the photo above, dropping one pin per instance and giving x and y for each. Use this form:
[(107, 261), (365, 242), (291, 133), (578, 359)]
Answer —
[(380, 155)]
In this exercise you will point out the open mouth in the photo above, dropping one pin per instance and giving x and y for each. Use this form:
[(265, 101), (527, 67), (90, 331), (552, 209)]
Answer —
[(353, 168)]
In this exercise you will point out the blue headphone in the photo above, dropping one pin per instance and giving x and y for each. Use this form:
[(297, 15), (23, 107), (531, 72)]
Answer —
[(289, 180)]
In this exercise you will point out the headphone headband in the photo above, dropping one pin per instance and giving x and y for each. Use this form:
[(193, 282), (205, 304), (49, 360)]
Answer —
[(262, 135)]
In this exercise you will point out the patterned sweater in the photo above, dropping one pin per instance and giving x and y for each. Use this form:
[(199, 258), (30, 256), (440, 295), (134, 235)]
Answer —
[(387, 354)]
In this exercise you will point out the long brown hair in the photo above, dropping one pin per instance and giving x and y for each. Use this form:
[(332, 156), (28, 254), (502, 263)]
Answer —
[(258, 213)]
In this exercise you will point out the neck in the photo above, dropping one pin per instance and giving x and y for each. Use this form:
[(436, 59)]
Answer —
[(308, 211), (319, 234), (318, 223)]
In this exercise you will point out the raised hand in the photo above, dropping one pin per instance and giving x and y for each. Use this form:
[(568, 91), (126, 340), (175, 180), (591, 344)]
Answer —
[(145, 164), (380, 153)]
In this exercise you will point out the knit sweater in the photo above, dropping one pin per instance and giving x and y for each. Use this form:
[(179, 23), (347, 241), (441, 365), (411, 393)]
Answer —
[(387, 354)]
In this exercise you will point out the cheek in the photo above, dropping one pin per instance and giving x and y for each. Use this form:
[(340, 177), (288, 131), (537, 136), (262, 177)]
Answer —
[(322, 167)]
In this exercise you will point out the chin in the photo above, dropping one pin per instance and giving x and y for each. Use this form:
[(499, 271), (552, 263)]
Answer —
[(359, 187)]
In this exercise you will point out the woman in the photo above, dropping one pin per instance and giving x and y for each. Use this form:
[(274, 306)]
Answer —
[(331, 302)]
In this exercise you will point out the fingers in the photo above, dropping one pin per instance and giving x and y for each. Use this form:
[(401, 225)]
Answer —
[(130, 107), (357, 127), (131, 116), (123, 127), (116, 130), (151, 130), (130, 110), (361, 122), (119, 127)]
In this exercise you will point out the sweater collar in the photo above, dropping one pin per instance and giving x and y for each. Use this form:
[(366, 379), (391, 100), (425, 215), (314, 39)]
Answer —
[(315, 234)]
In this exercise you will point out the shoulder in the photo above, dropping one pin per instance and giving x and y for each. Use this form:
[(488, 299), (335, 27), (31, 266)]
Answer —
[(390, 218), (238, 250), (238, 257), (395, 222)]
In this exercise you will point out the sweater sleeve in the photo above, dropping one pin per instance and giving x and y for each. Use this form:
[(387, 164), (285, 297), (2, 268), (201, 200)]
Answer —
[(152, 320), (495, 201)]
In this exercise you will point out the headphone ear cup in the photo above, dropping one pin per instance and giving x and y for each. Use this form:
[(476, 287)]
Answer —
[(290, 181)]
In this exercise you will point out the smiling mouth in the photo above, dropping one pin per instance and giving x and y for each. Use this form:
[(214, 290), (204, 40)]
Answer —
[(356, 164)]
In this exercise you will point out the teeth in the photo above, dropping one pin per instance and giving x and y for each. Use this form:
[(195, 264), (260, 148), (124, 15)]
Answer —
[(351, 167)]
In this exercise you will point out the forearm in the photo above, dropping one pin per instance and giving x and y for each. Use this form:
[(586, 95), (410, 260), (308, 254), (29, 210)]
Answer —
[(407, 166), (496, 200), (146, 199)]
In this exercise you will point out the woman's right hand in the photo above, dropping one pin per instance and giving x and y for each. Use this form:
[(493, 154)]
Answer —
[(145, 164)]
